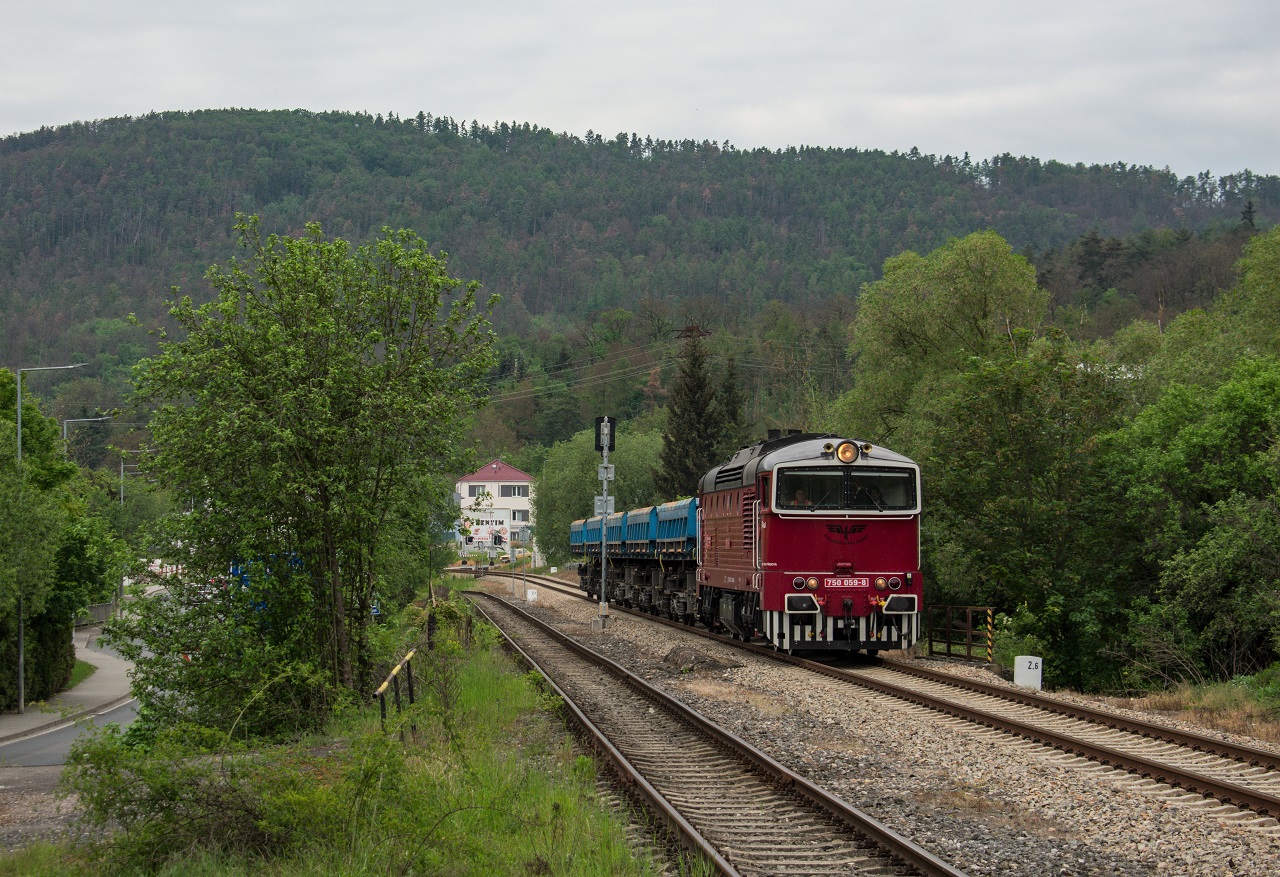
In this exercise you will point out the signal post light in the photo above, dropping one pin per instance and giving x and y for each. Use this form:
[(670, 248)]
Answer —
[(606, 431)]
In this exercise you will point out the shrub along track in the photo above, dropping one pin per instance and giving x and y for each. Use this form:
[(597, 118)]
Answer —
[(1227, 777), (741, 810)]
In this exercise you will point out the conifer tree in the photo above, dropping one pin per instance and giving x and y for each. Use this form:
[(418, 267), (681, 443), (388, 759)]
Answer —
[(694, 425), (732, 405)]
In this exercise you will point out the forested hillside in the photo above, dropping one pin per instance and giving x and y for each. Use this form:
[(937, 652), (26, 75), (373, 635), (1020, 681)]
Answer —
[(98, 220), (1083, 359)]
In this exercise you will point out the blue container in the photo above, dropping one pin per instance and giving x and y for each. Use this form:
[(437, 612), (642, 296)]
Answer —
[(677, 529), (591, 536), (641, 538)]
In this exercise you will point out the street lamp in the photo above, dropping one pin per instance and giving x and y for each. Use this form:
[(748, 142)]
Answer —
[(66, 449), (81, 420), (22, 664), (124, 465), (42, 368)]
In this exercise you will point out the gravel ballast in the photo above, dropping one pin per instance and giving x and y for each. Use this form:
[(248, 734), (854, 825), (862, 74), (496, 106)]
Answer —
[(981, 799)]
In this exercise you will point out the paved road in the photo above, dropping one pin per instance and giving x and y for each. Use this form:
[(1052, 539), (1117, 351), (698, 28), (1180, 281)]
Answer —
[(50, 747), (42, 735)]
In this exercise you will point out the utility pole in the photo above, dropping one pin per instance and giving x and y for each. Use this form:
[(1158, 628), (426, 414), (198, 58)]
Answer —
[(606, 429)]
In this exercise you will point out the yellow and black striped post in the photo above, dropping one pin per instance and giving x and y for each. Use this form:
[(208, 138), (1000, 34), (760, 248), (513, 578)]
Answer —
[(991, 635)]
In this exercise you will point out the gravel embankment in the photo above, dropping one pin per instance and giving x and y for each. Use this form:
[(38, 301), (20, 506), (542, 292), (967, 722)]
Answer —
[(988, 803)]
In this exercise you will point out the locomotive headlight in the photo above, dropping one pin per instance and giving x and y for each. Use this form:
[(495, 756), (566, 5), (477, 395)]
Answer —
[(881, 583), (894, 583), (847, 452), (798, 583), (812, 583)]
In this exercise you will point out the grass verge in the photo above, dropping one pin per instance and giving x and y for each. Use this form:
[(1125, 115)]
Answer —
[(80, 672), (486, 783), (1226, 706)]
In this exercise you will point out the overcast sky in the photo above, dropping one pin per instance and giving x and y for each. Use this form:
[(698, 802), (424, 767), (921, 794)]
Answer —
[(1189, 84)]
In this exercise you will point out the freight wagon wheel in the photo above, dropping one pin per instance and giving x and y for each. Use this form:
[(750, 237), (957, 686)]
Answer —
[(871, 653)]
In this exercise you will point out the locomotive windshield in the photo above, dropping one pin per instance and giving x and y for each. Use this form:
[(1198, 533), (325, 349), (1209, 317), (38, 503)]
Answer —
[(864, 488)]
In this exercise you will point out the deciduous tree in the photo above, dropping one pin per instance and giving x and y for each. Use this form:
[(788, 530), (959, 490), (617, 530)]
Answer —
[(925, 320), (1014, 499), (568, 482), (294, 412)]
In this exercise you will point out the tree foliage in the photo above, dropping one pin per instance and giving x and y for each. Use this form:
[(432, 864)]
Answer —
[(97, 219), (1118, 503), (1200, 477), (568, 482), (925, 320), (695, 426), (1014, 497), (732, 404), (54, 551), (296, 411)]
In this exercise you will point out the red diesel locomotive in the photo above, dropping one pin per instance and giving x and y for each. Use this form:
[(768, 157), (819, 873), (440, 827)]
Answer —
[(810, 541)]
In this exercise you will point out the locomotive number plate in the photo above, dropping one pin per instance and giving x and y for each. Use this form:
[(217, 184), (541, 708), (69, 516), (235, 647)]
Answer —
[(848, 582)]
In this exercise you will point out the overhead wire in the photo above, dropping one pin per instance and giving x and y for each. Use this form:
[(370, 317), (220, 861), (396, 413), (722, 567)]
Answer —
[(667, 349), (587, 381), (613, 356)]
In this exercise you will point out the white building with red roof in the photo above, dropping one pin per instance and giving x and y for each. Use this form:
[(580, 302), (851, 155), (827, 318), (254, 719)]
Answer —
[(496, 500)]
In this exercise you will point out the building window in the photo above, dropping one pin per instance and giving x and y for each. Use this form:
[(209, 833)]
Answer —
[(515, 490), (476, 490), (519, 516)]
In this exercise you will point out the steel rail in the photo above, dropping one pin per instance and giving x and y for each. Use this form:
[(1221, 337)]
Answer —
[(671, 817), (1200, 742), (886, 838), (1223, 790), (1250, 755)]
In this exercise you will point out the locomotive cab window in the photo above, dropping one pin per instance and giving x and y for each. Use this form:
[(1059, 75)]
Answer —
[(810, 489), (862, 488)]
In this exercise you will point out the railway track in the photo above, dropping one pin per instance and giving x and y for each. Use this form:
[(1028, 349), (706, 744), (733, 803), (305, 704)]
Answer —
[(1240, 778), (738, 808)]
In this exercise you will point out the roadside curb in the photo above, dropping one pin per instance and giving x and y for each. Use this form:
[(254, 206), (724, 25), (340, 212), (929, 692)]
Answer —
[(69, 719)]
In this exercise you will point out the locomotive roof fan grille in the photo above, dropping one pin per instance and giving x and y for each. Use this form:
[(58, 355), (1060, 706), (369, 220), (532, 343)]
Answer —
[(729, 476)]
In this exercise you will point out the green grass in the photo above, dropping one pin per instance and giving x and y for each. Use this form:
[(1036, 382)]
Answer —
[(80, 672), (1227, 706), (492, 786)]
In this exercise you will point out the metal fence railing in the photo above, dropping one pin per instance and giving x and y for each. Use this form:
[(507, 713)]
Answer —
[(393, 682), (95, 613), (959, 631)]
